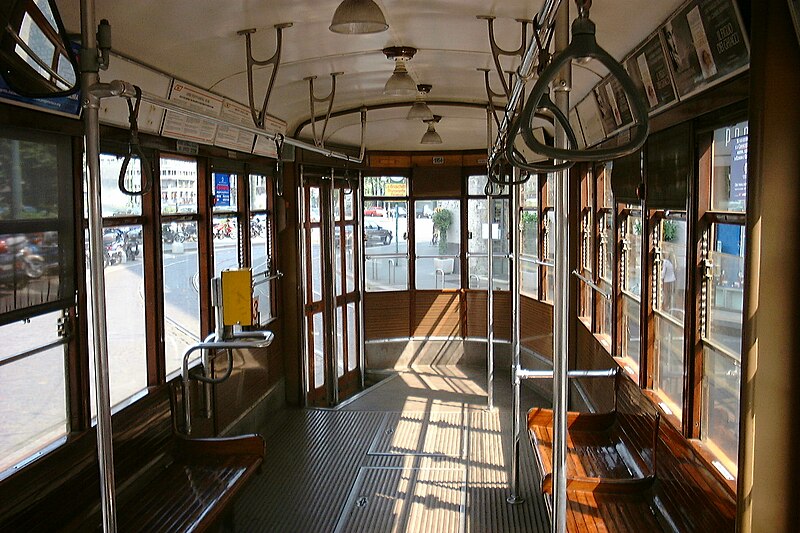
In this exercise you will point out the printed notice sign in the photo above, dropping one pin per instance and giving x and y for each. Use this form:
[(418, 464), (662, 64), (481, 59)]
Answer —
[(615, 112), (705, 44), (649, 70), (234, 138), (738, 192), (575, 123), (266, 146), (179, 126)]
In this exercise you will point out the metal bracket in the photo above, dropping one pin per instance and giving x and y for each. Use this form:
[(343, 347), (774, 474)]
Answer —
[(312, 99), (260, 115), (491, 94), (497, 51)]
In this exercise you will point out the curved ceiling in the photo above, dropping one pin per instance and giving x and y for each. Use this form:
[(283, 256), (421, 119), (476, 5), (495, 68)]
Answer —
[(197, 41)]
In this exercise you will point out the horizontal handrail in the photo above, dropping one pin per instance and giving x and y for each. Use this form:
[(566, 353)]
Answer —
[(597, 288), (722, 350), (12, 358), (536, 261), (267, 278), (384, 256), (523, 373), (125, 89)]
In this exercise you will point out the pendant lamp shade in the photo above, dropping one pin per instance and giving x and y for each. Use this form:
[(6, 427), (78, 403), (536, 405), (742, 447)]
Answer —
[(400, 83), (358, 17), (431, 137), (419, 109)]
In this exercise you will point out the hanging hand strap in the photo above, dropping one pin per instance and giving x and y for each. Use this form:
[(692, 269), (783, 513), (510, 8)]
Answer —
[(135, 150), (584, 44), (279, 164)]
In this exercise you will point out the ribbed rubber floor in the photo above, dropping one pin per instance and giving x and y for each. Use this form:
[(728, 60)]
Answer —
[(444, 468)]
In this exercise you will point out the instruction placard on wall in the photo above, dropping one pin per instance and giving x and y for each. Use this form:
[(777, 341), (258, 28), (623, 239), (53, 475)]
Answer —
[(265, 146), (234, 138), (179, 126)]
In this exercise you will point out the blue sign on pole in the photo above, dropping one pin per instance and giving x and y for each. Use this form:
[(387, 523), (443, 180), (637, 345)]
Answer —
[(222, 190)]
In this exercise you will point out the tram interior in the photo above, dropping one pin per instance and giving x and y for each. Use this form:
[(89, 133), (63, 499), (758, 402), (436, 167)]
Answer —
[(382, 265)]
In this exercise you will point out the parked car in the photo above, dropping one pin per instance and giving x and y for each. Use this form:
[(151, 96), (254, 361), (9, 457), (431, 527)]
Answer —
[(373, 234)]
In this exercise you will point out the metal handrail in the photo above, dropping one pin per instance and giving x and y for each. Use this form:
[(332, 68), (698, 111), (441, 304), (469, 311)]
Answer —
[(522, 373), (34, 351), (592, 285), (535, 261), (125, 89), (722, 350), (244, 339)]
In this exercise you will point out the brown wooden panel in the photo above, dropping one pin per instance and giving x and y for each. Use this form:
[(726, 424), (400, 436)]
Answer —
[(389, 160), (386, 315), (437, 314), (437, 160), (475, 160), (436, 182), (476, 314), (536, 326), (592, 354)]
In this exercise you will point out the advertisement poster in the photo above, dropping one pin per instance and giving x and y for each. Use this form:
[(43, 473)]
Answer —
[(575, 123), (222, 190), (649, 70), (705, 44), (615, 112), (738, 191), (234, 138), (179, 126), (591, 124)]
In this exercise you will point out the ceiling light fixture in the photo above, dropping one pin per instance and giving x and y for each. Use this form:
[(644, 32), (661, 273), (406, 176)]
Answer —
[(400, 83), (358, 17), (420, 110), (431, 137)]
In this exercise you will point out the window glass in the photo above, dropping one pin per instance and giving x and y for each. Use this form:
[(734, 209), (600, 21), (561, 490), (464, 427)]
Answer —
[(476, 186), (33, 405), (529, 193), (438, 245), (226, 239), (260, 251), (258, 192), (630, 342), (125, 303), (529, 251), (670, 306), (723, 346), (225, 191), (352, 339), (477, 246), (630, 332), (729, 173), (178, 185), (319, 354), (385, 244), (115, 202), (181, 297)]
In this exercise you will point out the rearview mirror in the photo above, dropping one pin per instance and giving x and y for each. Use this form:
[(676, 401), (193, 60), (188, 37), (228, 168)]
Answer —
[(36, 59)]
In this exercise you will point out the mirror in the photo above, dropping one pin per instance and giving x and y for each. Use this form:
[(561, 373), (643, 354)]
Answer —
[(36, 59)]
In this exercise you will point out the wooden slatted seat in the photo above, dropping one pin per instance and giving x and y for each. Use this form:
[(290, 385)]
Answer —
[(164, 482), (618, 444), (681, 493)]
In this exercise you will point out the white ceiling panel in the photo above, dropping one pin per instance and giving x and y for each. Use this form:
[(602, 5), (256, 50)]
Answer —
[(197, 41)]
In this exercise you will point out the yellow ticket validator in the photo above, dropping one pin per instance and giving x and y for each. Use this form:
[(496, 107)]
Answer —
[(237, 297)]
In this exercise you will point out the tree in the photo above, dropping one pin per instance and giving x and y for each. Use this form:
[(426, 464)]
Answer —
[(442, 219)]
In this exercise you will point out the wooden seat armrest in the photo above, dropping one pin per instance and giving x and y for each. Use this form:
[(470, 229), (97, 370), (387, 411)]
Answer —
[(601, 485), (205, 447), (575, 421)]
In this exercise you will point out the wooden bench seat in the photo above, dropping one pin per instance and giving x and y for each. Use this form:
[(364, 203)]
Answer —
[(681, 493), (164, 481), (618, 444)]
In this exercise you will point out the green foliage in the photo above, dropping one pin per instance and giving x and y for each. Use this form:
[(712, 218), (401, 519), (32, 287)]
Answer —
[(669, 231), (530, 217), (442, 220)]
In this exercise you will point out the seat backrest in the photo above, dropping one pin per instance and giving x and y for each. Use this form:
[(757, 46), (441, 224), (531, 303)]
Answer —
[(687, 493)]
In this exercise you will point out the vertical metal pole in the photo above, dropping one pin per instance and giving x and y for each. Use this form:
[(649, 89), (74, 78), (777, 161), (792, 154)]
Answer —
[(490, 308), (91, 105), (329, 290), (561, 88), (303, 292), (358, 206), (515, 498)]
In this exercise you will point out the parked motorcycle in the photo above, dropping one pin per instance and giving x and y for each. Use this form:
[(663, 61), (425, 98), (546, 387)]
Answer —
[(113, 249), (19, 263), (170, 233), (256, 228), (223, 229)]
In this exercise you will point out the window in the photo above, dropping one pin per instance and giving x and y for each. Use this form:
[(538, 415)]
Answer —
[(261, 247), (723, 282), (226, 222), (670, 299), (179, 232), (438, 244), (587, 269), (33, 373), (630, 263), (478, 238), (386, 232), (529, 241)]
